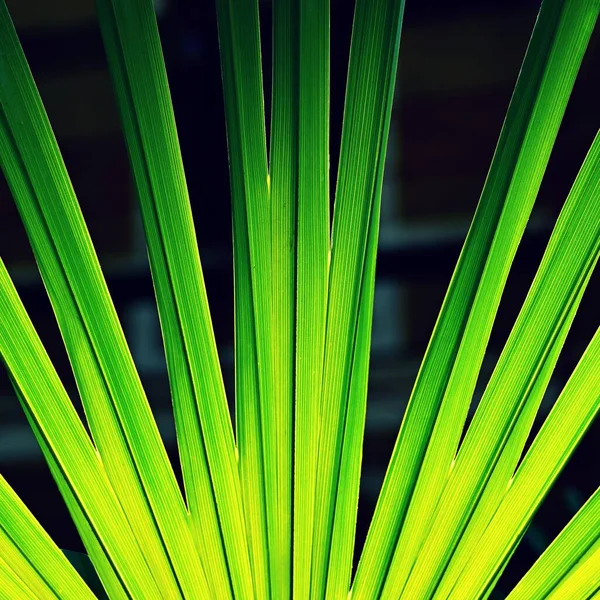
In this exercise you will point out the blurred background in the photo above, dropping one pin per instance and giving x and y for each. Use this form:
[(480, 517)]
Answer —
[(458, 65)]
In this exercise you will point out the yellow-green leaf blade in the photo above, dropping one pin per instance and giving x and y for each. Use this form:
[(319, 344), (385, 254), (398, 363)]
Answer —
[(570, 418), (203, 423), (531, 125), (571, 255), (346, 506), (63, 249), (21, 530), (258, 417), (367, 110), (576, 541), (47, 405), (311, 63), (499, 481)]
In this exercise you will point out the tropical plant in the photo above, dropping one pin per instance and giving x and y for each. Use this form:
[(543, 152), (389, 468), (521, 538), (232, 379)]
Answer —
[(270, 512)]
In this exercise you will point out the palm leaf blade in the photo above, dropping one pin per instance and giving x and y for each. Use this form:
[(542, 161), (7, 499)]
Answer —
[(124, 428), (312, 255), (549, 452), (66, 441), (204, 428), (259, 417), (371, 78), (283, 178), (576, 541), (554, 292), (25, 544), (459, 339)]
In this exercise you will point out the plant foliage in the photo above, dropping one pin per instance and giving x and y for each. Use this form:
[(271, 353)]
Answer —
[(269, 504)]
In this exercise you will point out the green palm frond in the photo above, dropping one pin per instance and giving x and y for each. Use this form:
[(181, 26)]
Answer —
[(269, 503)]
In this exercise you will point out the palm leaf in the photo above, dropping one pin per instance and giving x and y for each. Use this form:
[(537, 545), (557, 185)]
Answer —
[(577, 541), (581, 204), (271, 512), (571, 255), (29, 552), (67, 445), (310, 67), (117, 410), (202, 419), (371, 81), (255, 410), (447, 377)]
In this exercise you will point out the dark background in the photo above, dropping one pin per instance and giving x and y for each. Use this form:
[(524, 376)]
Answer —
[(457, 69)]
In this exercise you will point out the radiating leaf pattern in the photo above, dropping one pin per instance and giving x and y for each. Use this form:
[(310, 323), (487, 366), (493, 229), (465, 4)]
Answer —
[(268, 507)]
